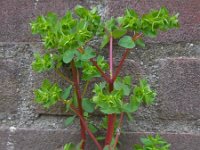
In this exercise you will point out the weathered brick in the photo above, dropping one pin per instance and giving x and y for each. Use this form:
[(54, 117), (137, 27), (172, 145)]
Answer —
[(54, 139), (189, 17), (3, 139), (177, 141), (8, 87), (17, 14), (130, 68), (44, 139), (179, 84)]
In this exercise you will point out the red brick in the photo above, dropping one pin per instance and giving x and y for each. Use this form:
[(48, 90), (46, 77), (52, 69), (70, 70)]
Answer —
[(17, 14), (179, 84), (189, 17), (8, 90)]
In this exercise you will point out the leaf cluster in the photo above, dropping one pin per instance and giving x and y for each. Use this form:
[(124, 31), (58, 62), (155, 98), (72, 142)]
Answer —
[(48, 94), (74, 30), (113, 102), (71, 31), (153, 143), (149, 24)]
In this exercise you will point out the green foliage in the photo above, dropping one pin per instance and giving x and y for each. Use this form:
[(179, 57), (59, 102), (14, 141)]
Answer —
[(141, 94), (153, 143), (88, 105), (89, 71), (42, 63), (69, 120), (112, 102), (74, 30), (123, 85), (158, 20), (110, 147), (130, 20), (149, 23), (92, 128), (126, 42), (107, 102), (105, 41), (48, 94), (66, 92), (69, 55), (140, 43), (144, 93), (66, 40), (88, 54), (71, 146)]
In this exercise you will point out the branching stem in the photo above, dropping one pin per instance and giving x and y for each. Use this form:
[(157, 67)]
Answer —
[(118, 130), (125, 54), (85, 88), (100, 70), (111, 117), (86, 127), (111, 58), (79, 98), (63, 76)]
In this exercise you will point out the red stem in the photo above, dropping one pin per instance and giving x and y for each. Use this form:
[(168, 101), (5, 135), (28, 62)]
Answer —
[(118, 130), (86, 127), (78, 94), (100, 70), (119, 67), (110, 129), (111, 117), (111, 58)]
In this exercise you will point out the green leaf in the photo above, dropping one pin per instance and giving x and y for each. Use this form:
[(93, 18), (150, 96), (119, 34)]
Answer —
[(126, 42), (78, 146), (140, 42), (42, 63), (100, 138), (68, 56), (66, 92), (48, 94), (141, 93), (117, 33), (88, 54), (151, 34), (152, 143), (107, 147), (129, 116), (92, 128), (81, 11), (127, 80), (110, 25), (90, 71), (69, 146), (104, 41), (69, 120), (88, 106), (123, 85), (138, 147)]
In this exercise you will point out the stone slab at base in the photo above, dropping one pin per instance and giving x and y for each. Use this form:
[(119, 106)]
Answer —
[(54, 139)]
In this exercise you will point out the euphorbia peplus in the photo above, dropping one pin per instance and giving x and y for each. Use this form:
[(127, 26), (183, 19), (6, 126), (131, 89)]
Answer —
[(66, 41)]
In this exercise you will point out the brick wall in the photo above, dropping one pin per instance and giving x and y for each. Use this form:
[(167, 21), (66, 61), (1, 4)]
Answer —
[(171, 62)]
